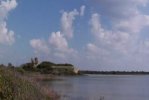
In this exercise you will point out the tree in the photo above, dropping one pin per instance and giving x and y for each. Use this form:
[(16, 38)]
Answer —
[(10, 65), (32, 61), (36, 61)]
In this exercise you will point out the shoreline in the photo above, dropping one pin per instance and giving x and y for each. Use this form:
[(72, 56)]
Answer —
[(114, 72)]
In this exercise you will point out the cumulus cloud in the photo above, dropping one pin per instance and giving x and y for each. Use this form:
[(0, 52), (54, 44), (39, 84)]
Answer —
[(114, 41), (8, 4), (40, 46), (125, 32), (138, 22), (67, 22), (57, 46), (111, 39), (60, 45), (94, 52), (96, 28), (58, 40), (117, 10), (120, 44), (82, 10), (6, 35)]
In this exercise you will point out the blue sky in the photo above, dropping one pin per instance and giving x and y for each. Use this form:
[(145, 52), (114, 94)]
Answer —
[(91, 34)]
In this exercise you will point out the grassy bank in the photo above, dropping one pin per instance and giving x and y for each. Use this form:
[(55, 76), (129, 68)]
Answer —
[(15, 85)]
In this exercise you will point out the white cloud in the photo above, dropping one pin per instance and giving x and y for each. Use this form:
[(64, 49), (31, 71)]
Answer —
[(133, 24), (114, 41), (56, 48), (6, 36), (124, 34), (96, 28), (58, 41), (121, 44), (40, 46), (117, 9), (109, 38), (94, 52), (67, 22), (82, 10), (8, 4)]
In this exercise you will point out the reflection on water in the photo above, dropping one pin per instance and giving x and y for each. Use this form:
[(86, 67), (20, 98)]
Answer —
[(102, 87)]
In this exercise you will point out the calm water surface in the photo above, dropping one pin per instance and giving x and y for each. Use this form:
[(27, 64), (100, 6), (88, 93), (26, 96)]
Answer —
[(102, 87)]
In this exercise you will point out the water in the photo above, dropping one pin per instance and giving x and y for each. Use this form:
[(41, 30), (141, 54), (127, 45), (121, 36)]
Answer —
[(102, 87)]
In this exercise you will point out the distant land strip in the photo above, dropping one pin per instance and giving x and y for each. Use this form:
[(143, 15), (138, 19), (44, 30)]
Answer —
[(114, 72)]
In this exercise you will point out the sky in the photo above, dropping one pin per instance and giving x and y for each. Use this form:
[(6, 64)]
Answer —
[(90, 34)]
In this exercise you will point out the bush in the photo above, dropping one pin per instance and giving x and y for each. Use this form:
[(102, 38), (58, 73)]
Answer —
[(28, 67), (45, 67), (20, 70), (15, 87)]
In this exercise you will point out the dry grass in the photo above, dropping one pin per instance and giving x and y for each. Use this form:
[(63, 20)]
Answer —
[(16, 86)]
